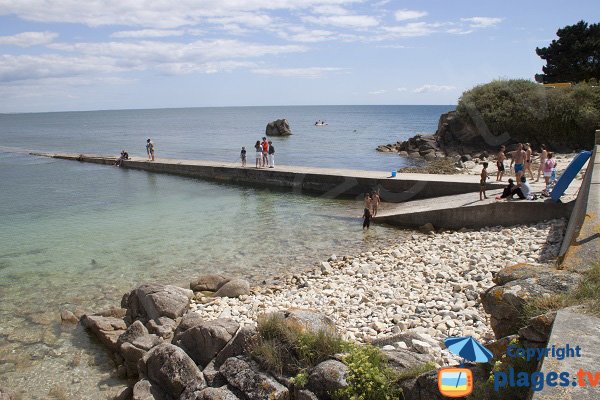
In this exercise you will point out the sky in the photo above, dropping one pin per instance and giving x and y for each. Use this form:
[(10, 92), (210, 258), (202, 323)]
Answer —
[(58, 55)]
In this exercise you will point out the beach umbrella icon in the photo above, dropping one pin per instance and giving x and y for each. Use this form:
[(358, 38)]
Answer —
[(468, 348)]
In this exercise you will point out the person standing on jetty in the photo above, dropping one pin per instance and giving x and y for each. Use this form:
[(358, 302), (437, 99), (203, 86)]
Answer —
[(500, 157), (528, 160), (243, 156), (150, 149), (482, 182), (258, 148), (549, 166), (518, 158), (265, 152), (543, 157), (375, 200), (271, 155)]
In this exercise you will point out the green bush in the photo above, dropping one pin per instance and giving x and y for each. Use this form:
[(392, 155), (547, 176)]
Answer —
[(369, 377), (530, 112)]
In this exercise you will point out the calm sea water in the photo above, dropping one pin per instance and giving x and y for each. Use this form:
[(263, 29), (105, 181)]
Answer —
[(79, 235)]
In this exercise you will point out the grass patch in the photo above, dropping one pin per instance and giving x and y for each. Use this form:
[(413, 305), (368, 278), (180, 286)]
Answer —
[(443, 166), (586, 294), (286, 347)]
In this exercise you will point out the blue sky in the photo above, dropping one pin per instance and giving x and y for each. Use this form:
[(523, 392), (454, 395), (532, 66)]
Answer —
[(87, 55)]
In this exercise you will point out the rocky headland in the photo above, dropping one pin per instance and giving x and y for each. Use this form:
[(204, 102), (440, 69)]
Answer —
[(176, 343)]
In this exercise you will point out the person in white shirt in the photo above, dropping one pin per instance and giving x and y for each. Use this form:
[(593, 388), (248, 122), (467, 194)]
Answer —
[(522, 190)]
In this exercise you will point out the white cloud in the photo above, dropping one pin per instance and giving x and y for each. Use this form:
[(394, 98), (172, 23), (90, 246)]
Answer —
[(376, 92), (413, 29), (299, 34), (344, 21), (34, 67), (402, 89), (311, 72), (150, 14), (403, 15), (330, 9), (147, 33), (434, 88), (482, 22), (28, 39)]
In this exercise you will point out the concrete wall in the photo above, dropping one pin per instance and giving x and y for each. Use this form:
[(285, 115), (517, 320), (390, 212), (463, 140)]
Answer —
[(505, 213), (326, 184), (581, 245)]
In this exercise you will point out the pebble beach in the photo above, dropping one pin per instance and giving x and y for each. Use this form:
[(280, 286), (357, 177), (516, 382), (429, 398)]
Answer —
[(428, 285)]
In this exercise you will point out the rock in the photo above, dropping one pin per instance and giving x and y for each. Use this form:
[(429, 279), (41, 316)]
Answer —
[(5, 395), (171, 370), (134, 331), (519, 271), (189, 320), (144, 390), (305, 395), (234, 288), (280, 127), (427, 228), (254, 385), (505, 303), (106, 329), (310, 320), (68, 317), (326, 268), (125, 394), (421, 347), (237, 346), (205, 340), (401, 359), (208, 283), (152, 301), (162, 327), (538, 328), (498, 347), (327, 377), (213, 376), (465, 157), (213, 393)]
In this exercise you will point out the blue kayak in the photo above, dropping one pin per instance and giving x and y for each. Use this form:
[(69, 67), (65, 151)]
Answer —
[(570, 173)]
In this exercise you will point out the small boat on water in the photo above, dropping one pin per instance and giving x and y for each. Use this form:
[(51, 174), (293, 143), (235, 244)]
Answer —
[(320, 123)]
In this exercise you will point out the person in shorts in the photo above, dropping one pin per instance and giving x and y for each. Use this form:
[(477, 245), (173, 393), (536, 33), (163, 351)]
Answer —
[(265, 152), (243, 156), (258, 149), (150, 149), (482, 182), (500, 157)]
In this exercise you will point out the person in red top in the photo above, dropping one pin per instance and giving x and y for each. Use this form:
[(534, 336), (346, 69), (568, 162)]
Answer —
[(265, 154)]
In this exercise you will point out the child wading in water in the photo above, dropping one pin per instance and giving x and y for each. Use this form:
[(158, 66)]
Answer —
[(484, 176), (367, 212)]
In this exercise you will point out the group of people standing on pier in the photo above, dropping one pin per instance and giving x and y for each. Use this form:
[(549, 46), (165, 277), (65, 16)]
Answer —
[(265, 154), (522, 159)]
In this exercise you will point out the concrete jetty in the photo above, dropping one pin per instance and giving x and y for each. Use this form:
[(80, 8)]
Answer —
[(327, 182)]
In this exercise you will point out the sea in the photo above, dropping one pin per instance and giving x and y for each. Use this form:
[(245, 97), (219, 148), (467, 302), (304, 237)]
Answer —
[(77, 236)]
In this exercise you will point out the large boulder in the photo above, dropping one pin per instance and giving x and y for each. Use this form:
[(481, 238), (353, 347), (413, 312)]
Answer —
[(208, 283), (255, 385), (107, 329), (506, 303), (234, 288), (327, 377), (401, 359), (152, 301), (280, 127), (144, 390), (206, 339), (171, 371)]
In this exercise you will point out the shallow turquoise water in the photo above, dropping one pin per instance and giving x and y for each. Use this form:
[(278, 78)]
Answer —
[(76, 235)]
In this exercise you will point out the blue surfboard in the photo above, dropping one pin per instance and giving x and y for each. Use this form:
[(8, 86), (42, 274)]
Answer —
[(570, 173)]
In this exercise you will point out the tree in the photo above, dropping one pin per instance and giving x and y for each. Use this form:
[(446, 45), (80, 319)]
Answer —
[(574, 57)]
